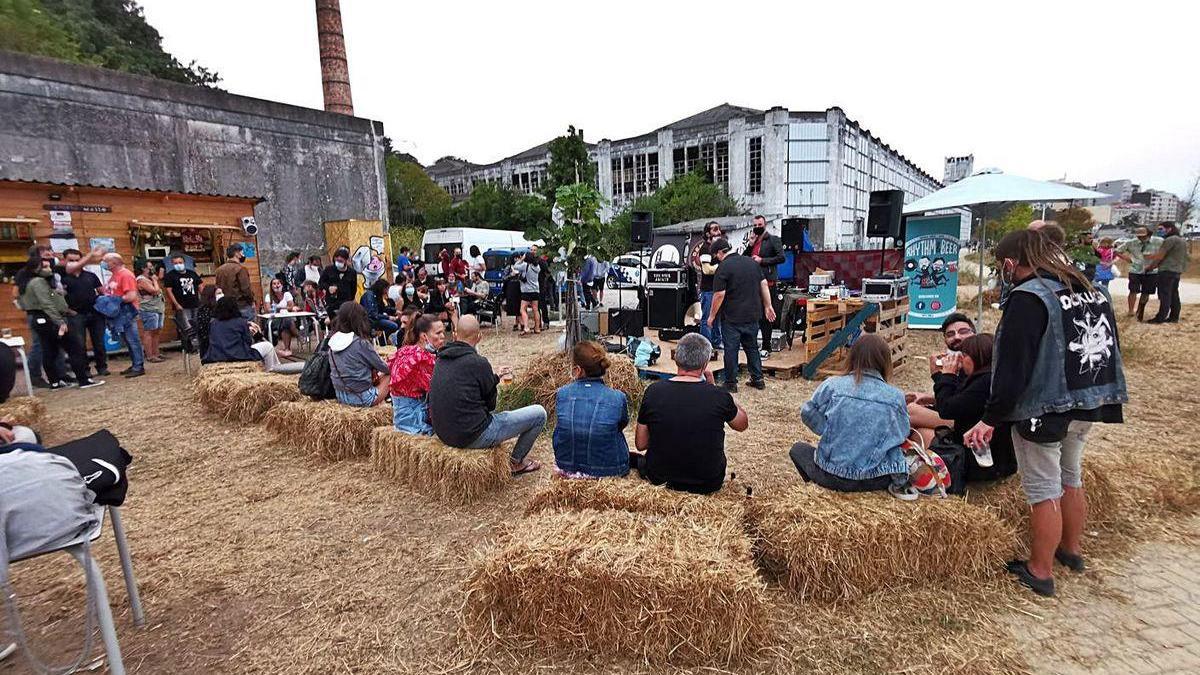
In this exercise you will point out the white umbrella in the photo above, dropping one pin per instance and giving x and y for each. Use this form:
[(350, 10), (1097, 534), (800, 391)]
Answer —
[(990, 188)]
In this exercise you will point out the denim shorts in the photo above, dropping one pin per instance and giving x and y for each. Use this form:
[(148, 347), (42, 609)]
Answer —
[(364, 399), (151, 320), (1047, 467)]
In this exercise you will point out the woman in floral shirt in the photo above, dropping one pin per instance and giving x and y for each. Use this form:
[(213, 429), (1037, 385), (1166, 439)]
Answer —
[(411, 372)]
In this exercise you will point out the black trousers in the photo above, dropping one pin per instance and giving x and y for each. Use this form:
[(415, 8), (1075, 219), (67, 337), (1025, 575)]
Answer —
[(804, 457), (1168, 296), (81, 327), (767, 327), (52, 346)]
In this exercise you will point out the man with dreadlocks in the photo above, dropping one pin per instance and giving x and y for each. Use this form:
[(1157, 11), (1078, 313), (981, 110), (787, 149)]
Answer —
[(1056, 371)]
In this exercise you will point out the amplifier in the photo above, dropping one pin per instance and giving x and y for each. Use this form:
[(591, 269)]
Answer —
[(627, 322), (590, 319), (666, 278), (667, 306), (676, 334), (879, 290)]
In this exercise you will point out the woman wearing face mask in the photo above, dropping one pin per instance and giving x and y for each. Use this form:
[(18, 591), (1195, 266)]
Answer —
[(411, 372), (339, 281), (153, 308), (47, 313)]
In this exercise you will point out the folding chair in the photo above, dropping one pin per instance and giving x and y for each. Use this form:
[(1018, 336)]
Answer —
[(95, 581)]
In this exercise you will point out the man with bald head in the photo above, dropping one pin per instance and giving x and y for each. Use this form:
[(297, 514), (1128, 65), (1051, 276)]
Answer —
[(123, 326), (462, 397)]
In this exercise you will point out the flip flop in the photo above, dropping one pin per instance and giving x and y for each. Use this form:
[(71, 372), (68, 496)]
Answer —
[(529, 466)]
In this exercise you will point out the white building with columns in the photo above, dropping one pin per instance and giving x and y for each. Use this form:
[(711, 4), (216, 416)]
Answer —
[(776, 162)]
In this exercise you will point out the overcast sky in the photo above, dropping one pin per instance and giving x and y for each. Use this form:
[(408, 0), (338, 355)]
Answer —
[(1090, 91)]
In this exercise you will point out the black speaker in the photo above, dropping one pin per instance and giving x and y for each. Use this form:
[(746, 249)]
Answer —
[(667, 306), (639, 228), (627, 322), (792, 231), (883, 218)]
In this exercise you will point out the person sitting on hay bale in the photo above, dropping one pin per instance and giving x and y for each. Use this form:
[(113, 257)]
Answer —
[(231, 338), (1057, 371), (462, 397), (360, 377), (921, 411), (411, 372), (590, 418), (681, 423), (863, 422), (961, 388)]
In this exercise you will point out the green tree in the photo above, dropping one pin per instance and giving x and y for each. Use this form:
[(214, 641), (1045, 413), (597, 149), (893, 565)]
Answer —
[(569, 163), (1016, 217), (109, 33), (411, 193), (492, 206), (683, 198), (581, 233)]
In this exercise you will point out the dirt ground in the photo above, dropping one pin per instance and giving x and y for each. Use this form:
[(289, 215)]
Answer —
[(253, 558)]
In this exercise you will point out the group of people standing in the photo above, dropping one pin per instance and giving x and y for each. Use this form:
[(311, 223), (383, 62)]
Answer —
[(1156, 263)]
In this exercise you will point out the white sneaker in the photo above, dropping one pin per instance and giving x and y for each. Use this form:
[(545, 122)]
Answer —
[(8, 651)]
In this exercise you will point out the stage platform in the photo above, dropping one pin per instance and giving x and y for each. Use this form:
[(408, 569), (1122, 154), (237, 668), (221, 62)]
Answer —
[(783, 365)]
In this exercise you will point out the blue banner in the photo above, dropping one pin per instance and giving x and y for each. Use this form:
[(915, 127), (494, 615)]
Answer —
[(931, 265)]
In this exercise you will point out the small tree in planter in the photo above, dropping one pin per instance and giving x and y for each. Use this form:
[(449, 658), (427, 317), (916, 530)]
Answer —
[(581, 233)]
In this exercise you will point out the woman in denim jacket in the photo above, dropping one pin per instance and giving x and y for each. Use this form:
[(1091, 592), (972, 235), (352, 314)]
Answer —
[(862, 421), (588, 438)]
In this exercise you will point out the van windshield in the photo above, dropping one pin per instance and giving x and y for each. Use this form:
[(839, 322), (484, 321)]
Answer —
[(432, 251)]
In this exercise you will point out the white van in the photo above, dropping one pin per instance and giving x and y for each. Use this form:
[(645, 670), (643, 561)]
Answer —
[(436, 241)]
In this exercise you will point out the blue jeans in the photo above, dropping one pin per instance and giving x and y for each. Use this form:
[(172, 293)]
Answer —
[(524, 424), (745, 336), (125, 329), (713, 334), (411, 415), (363, 399)]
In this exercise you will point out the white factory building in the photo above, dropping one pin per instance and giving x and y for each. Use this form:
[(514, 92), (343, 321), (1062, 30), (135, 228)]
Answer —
[(776, 162)]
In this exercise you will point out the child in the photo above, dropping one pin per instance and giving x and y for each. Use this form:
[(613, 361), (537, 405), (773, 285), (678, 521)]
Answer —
[(1106, 253)]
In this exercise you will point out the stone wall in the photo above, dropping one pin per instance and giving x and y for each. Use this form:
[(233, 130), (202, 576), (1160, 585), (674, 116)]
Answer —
[(64, 123)]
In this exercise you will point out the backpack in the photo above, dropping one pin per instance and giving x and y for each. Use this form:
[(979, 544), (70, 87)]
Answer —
[(315, 380), (642, 351)]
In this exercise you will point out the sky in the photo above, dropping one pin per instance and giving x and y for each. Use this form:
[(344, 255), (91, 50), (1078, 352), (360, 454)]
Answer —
[(1088, 91)]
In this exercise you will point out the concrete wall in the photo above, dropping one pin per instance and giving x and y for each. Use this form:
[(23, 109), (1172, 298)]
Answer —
[(63, 123)]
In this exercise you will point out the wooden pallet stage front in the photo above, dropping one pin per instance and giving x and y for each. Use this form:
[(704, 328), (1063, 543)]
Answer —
[(783, 365)]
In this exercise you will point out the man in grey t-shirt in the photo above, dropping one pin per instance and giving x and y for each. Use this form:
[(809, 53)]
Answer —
[(1170, 261)]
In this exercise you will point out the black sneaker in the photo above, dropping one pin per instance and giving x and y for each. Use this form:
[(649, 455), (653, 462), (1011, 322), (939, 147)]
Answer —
[(39, 383), (136, 373), (89, 383), (103, 373), (1157, 320), (1020, 569), (59, 385), (1070, 560), (127, 370), (68, 377), (730, 387), (758, 384)]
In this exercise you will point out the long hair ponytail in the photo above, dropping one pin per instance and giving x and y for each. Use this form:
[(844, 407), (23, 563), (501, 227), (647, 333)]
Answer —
[(1033, 249), (417, 326)]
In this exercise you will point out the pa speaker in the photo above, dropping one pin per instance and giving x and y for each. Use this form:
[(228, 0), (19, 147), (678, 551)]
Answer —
[(249, 226), (626, 322), (792, 231), (883, 218), (640, 225)]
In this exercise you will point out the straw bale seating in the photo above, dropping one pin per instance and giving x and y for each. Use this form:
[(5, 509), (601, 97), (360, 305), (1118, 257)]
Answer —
[(449, 474), (825, 545), (633, 494), (616, 582), (243, 396), (28, 411), (326, 429)]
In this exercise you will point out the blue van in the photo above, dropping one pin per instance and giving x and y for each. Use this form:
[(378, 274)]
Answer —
[(496, 261)]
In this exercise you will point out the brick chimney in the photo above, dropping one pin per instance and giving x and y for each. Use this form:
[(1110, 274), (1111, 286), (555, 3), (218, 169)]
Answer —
[(335, 72)]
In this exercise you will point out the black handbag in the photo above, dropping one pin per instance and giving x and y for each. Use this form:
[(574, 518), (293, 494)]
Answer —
[(954, 454), (315, 380)]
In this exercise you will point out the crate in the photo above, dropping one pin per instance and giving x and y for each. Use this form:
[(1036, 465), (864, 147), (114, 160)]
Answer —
[(827, 317)]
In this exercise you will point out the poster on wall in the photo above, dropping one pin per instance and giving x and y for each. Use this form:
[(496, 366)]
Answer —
[(931, 265)]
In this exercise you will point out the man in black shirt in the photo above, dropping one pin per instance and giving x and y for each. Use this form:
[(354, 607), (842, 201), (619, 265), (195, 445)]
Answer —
[(706, 266), (183, 294), (741, 298), (766, 250), (681, 423), (339, 281), (82, 287)]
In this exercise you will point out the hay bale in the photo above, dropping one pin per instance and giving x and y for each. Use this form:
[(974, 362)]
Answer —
[(244, 397), (631, 494), (451, 475), (827, 545), (544, 376), (28, 411), (618, 582), (385, 352), (211, 369), (326, 429)]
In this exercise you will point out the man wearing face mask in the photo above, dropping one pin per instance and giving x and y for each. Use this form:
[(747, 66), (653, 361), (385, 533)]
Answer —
[(706, 265), (1169, 262), (766, 250), (234, 281), (339, 281), (59, 271), (183, 293)]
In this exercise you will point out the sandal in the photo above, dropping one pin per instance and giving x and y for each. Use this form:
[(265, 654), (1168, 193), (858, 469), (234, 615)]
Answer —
[(528, 466)]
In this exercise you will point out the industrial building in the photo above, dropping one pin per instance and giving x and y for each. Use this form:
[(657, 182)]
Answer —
[(780, 163)]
